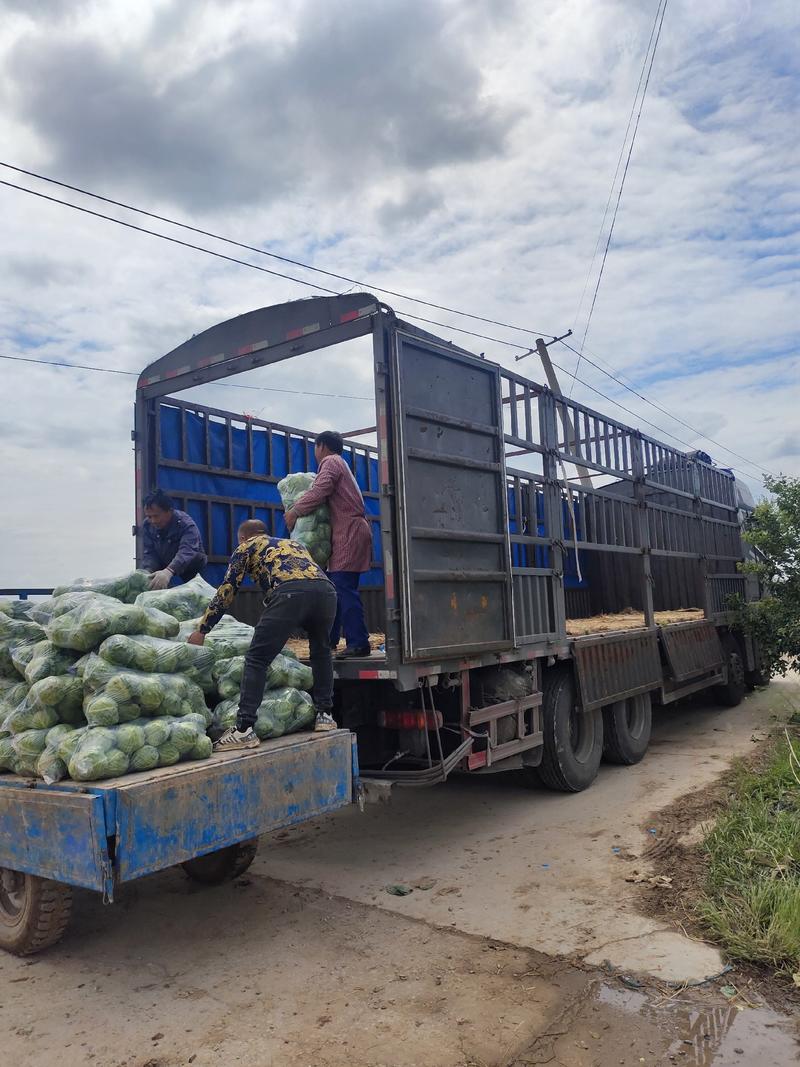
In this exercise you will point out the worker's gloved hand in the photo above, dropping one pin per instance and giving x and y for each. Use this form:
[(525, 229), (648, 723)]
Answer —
[(290, 519), (161, 579)]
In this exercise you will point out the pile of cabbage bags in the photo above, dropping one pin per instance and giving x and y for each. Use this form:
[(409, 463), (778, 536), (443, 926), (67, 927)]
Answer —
[(98, 680), (314, 530)]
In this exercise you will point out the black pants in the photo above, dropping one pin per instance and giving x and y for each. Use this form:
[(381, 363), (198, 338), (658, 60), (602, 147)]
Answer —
[(308, 605)]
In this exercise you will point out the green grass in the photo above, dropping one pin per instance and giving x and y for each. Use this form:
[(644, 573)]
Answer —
[(751, 902)]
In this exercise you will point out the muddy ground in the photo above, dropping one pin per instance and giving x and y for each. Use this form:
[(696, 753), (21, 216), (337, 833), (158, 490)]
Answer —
[(523, 940)]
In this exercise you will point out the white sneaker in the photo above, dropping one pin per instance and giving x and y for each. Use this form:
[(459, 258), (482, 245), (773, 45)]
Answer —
[(324, 722), (234, 739)]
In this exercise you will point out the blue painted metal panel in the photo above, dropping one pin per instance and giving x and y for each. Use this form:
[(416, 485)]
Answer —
[(55, 834), (167, 817)]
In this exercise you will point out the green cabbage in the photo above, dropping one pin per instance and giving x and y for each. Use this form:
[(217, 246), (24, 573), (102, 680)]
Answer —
[(86, 626), (125, 588), (314, 530), (145, 758), (183, 602)]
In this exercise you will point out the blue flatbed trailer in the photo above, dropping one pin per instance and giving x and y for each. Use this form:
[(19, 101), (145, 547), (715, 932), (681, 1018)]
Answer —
[(205, 815)]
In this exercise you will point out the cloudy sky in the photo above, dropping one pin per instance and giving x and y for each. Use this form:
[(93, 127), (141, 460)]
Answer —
[(457, 150)]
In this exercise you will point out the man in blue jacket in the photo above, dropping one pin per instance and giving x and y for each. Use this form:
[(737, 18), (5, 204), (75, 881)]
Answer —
[(171, 542)]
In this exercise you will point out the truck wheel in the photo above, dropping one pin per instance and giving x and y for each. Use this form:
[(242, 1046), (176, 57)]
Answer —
[(223, 865), (626, 729), (731, 693), (34, 912), (757, 679), (573, 739)]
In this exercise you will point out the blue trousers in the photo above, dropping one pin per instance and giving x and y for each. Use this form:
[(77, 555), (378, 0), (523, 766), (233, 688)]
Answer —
[(349, 610)]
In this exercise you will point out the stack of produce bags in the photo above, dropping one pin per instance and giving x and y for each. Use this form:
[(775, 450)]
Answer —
[(98, 680)]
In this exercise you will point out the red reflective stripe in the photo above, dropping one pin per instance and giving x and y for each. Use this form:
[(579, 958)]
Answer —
[(477, 759), (292, 334), (348, 316), (244, 350), (369, 674)]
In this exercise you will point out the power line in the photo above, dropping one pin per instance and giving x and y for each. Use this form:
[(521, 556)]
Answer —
[(333, 292), (616, 173), (222, 385), (266, 252), (663, 10), (757, 466)]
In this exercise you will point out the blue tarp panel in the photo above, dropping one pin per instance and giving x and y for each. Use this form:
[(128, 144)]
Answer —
[(219, 482)]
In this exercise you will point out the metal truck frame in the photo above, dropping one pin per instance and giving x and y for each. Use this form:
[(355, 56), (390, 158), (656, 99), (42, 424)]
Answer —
[(503, 510)]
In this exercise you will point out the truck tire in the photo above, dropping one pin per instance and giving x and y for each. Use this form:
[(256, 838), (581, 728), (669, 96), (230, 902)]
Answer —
[(732, 692), (626, 729), (223, 865), (34, 912), (573, 739)]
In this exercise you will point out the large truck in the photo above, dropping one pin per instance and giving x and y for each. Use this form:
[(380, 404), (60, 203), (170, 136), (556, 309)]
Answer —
[(543, 574)]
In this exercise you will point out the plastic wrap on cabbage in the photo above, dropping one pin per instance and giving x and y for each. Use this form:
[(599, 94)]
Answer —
[(15, 632), (43, 660), (48, 702), (20, 753), (156, 656), (115, 695), (183, 602), (50, 765), (86, 626), (10, 698), (228, 638), (16, 609), (282, 711), (140, 745), (283, 671), (124, 588), (314, 530), (159, 624)]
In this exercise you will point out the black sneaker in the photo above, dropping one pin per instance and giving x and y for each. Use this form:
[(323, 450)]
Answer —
[(324, 722), (354, 652)]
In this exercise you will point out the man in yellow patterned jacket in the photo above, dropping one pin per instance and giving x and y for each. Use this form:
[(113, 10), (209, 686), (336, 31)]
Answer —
[(298, 596)]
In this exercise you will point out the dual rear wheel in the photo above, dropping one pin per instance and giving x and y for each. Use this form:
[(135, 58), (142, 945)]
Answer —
[(575, 741)]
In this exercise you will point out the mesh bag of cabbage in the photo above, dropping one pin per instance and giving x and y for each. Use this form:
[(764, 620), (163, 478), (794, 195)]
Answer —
[(88, 624), (283, 671), (42, 660), (181, 601), (141, 745), (126, 587), (282, 711), (114, 695), (48, 702), (314, 530), (15, 632), (157, 656), (228, 638)]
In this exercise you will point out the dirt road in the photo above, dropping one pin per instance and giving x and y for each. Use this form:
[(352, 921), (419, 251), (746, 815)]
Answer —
[(495, 958)]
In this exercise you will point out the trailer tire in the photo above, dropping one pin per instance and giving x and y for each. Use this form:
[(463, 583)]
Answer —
[(223, 865), (626, 729), (573, 739), (732, 692), (34, 912)]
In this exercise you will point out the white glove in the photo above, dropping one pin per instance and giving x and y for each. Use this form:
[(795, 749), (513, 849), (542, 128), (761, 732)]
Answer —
[(161, 579)]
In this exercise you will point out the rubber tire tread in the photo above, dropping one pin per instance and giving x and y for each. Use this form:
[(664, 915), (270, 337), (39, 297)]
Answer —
[(550, 771), (223, 865), (47, 910), (618, 746), (731, 695)]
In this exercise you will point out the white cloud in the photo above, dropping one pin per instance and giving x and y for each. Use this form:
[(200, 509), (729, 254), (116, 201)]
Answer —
[(459, 152)]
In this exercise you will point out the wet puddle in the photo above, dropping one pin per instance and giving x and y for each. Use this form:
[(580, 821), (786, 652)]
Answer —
[(710, 1034)]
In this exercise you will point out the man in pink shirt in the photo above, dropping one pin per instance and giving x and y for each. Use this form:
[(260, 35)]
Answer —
[(351, 538)]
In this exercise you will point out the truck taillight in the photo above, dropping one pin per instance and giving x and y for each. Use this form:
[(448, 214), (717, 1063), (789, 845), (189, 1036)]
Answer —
[(410, 720)]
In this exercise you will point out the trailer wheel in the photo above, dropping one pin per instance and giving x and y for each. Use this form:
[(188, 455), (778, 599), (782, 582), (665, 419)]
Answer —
[(573, 739), (626, 729), (223, 865), (34, 912), (731, 693)]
